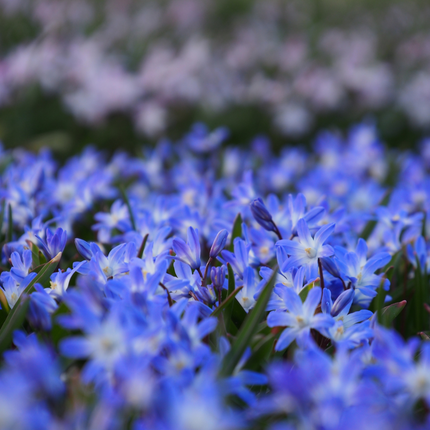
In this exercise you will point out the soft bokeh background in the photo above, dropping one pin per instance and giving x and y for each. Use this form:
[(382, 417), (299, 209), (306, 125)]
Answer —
[(119, 73)]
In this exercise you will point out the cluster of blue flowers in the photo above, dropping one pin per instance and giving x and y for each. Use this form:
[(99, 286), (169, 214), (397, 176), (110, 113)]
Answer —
[(205, 286)]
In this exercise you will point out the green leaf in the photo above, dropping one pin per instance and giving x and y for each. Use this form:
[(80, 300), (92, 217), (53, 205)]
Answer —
[(130, 212), (42, 258), (10, 226), (419, 298), (3, 206), (35, 253), (142, 246), (305, 291), (379, 300), (368, 229), (390, 312), (226, 302), (231, 288), (14, 321), (238, 314), (17, 314), (425, 335), (262, 353), (58, 332), (236, 231), (234, 313), (3, 316), (264, 329), (248, 328), (3, 301), (393, 265)]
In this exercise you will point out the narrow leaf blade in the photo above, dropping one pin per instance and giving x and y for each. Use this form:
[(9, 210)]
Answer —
[(14, 321), (236, 231), (10, 226), (18, 313), (3, 206), (226, 302), (130, 211), (389, 313), (249, 328)]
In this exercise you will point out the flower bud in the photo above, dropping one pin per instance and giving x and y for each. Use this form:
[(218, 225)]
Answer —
[(218, 244), (343, 301), (84, 249), (330, 266), (262, 215), (218, 277)]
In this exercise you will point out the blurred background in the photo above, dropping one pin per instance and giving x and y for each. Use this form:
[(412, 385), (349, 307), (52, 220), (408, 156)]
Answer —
[(119, 73)]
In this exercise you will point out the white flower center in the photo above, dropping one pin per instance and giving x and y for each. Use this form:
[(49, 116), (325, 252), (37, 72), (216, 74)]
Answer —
[(311, 252), (339, 332), (300, 321), (107, 344), (108, 271), (264, 250), (14, 297), (145, 274)]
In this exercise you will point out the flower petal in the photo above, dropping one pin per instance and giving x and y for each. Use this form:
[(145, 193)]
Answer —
[(287, 336)]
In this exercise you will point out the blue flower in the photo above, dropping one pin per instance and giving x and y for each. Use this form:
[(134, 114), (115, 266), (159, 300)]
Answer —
[(294, 279), (200, 140), (347, 329), (297, 211), (243, 193), (188, 253), (361, 271), (45, 379), (262, 215), (219, 243), (184, 282), (218, 277), (246, 296), (299, 319), (262, 246), (85, 249), (53, 243), (104, 342), (118, 217), (13, 289), (42, 306), (103, 267), (21, 264), (238, 259), (306, 250), (60, 280)]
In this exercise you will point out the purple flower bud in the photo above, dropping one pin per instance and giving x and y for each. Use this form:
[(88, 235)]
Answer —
[(330, 266), (42, 306), (9, 248), (53, 243), (262, 215), (326, 302), (343, 301), (219, 243), (188, 253), (83, 248), (218, 277)]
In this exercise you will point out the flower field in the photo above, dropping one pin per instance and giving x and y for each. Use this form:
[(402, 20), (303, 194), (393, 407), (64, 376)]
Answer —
[(214, 216), (184, 289)]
